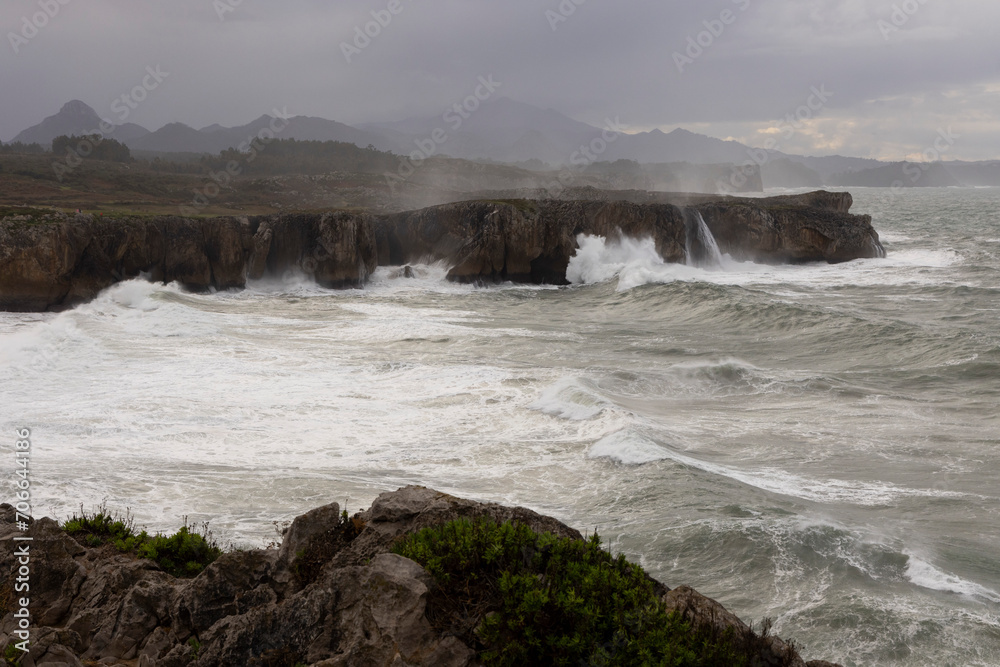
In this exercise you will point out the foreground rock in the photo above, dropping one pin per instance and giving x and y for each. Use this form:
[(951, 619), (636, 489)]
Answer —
[(331, 595)]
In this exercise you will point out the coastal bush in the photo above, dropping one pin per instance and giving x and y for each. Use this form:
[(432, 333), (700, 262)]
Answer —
[(184, 554), (533, 598), (11, 656)]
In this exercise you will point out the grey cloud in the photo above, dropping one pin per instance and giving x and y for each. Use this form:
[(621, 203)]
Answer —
[(606, 59)]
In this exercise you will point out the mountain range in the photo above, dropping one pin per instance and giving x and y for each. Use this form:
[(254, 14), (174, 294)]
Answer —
[(507, 131)]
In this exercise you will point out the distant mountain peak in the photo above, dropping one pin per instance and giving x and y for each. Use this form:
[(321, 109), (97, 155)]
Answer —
[(74, 118), (77, 108)]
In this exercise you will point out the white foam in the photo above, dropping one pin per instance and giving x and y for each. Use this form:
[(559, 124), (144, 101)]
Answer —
[(636, 263), (627, 447), (36, 347), (133, 294), (778, 481), (925, 575), (570, 399), (597, 261), (431, 277)]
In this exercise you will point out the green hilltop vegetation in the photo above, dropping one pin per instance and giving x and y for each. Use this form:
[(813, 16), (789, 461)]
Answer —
[(102, 176)]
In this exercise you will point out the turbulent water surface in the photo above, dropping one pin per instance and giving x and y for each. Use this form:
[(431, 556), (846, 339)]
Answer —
[(817, 444)]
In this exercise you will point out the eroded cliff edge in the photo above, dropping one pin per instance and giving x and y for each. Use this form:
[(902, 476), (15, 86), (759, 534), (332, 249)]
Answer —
[(58, 261), (361, 604)]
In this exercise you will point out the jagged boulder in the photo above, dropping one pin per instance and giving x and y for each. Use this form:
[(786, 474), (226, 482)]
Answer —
[(333, 595)]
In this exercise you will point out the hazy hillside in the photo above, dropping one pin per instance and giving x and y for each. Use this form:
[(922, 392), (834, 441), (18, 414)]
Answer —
[(979, 174), (76, 118), (509, 132), (177, 137), (786, 173), (899, 174)]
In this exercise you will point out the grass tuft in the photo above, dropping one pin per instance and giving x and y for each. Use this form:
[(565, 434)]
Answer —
[(184, 554)]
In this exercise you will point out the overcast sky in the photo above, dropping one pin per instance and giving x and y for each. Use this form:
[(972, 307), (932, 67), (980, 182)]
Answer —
[(894, 85)]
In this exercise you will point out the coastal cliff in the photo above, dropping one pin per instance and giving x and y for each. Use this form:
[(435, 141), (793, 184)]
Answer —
[(335, 593), (57, 261), (532, 241)]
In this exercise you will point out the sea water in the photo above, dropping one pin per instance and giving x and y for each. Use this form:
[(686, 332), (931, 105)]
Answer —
[(817, 444)]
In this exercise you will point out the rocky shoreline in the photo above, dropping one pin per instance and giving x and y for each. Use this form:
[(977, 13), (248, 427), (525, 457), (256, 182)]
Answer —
[(359, 604), (59, 261)]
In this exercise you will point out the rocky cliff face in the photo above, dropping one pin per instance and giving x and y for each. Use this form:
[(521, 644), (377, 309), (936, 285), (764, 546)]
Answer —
[(60, 261), (521, 241), (332, 595), (804, 228), (533, 241)]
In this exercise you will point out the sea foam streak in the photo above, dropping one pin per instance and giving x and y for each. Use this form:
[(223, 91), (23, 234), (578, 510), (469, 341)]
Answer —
[(631, 448), (925, 575), (635, 262)]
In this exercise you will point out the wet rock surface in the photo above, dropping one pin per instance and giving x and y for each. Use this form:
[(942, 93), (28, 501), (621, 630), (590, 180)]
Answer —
[(60, 261), (532, 241)]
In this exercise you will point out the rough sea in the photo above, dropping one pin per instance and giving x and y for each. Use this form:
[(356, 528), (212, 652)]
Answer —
[(817, 444)]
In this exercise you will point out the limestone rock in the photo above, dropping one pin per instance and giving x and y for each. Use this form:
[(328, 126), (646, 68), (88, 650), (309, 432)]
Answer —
[(58, 262), (362, 605), (533, 241)]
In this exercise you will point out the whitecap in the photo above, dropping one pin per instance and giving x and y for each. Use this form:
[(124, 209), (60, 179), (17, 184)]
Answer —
[(925, 575), (570, 399), (628, 448)]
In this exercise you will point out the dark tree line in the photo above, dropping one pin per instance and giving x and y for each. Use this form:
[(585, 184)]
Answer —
[(18, 147), (283, 157), (92, 147)]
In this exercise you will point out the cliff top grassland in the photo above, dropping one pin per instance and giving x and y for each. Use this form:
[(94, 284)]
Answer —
[(289, 175)]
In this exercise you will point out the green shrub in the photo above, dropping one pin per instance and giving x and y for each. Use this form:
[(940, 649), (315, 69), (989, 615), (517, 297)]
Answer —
[(184, 554), (11, 656), (541, 599), (195, 647)]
